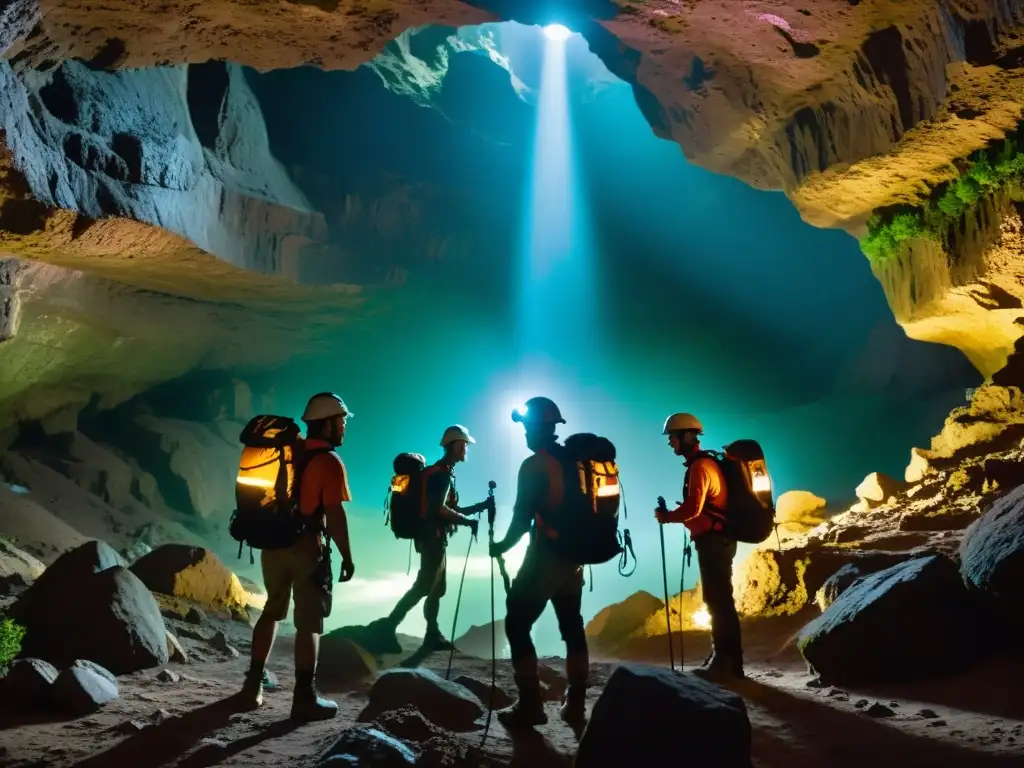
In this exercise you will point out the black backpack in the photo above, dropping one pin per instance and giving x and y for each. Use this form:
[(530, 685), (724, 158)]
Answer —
[(403, 507), (267, 512), (587, 523), (750, 514)]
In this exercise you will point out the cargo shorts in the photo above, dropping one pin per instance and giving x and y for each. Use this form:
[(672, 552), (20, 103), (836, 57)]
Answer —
[(302, 571)]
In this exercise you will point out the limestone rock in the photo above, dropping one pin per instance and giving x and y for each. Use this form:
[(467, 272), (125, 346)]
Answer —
[(912, 620), (342, 661), (83, 688), (125, 633), (28, 682), (17, 569), (798, 511), (200, 458), (682, 608), (175, 651), (614, 624), (441, 701), (649, 697), (777, 583), (878, 488), (192, 573), (919, 466), (367, 745), (992, 558)]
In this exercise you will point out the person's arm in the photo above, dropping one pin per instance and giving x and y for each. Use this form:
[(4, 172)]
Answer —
[(697, 493), (438, 486), (530, 491), (474, 509), (334, 494)]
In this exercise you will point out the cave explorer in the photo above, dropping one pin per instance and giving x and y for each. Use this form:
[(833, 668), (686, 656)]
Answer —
[(443, 515), (704, 494), (544, 576), (304, 567)]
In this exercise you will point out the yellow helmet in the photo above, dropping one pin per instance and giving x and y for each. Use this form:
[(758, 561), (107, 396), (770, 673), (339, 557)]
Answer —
[(680, 422)]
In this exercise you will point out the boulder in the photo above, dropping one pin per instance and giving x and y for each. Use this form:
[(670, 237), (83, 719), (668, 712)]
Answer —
[(192, 573), (877, 488), (992, 558), (175, 651), (847, 576), (645, 700), (17, 569), (614, 624), (910, 621), (799, 511), (482, 690), (342, 661), (919, 466), (367, 745), (109, 617), (28, 682), (441, 701), (83, 688), (73, 566)]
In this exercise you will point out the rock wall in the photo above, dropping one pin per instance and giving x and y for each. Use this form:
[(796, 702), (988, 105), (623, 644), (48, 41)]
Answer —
[(967, 294)]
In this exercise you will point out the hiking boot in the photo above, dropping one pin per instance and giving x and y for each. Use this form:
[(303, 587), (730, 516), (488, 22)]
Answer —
[(251, 695), (435, 641), (307, 704), (574, 706), (721, 668), (528, 711)]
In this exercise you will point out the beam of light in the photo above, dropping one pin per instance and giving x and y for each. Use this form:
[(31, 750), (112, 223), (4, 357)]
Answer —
[(557, 33)]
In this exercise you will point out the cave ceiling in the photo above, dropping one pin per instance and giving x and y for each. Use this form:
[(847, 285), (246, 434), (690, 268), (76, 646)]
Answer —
[(148, 112)]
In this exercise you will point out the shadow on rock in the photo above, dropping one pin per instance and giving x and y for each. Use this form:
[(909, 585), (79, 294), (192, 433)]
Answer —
[(529, 747), (216, 753), (165, 743)]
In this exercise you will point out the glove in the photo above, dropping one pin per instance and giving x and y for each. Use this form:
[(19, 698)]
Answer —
[(348, 570), (497, 549), (474, 526), (664, 516)]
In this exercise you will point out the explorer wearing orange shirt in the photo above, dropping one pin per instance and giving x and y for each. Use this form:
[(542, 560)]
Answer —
[(705, 502), (304, 569)]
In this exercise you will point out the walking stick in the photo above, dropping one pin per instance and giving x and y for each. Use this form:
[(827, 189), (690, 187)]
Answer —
[(664, 579)]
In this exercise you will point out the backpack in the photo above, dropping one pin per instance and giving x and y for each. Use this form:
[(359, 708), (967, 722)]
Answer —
[(267, 486), (750, 515), (587, 523), (403, 506)]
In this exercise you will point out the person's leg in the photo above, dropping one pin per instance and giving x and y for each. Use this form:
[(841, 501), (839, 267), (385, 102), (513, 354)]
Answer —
[(567, 604), (313, 594), (714, 556), (420, 588), (277, 580), (432, 605), (525, 603)]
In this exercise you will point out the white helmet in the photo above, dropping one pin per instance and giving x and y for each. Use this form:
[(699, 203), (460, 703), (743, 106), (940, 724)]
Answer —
[(456, 432), (679, 422), (325, 405)]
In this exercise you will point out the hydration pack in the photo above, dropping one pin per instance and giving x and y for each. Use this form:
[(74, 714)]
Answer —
[(750, 513), (587, 523), (267, 512), (405, 502)]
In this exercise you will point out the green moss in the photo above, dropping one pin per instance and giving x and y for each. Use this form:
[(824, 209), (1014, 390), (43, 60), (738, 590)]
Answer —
[(11, 635), (671, 24), (983, 174)]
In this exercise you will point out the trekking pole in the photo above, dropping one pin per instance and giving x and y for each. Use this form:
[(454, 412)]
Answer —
[(664, 579), (491, 514), (458, 602), (682, 588)]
